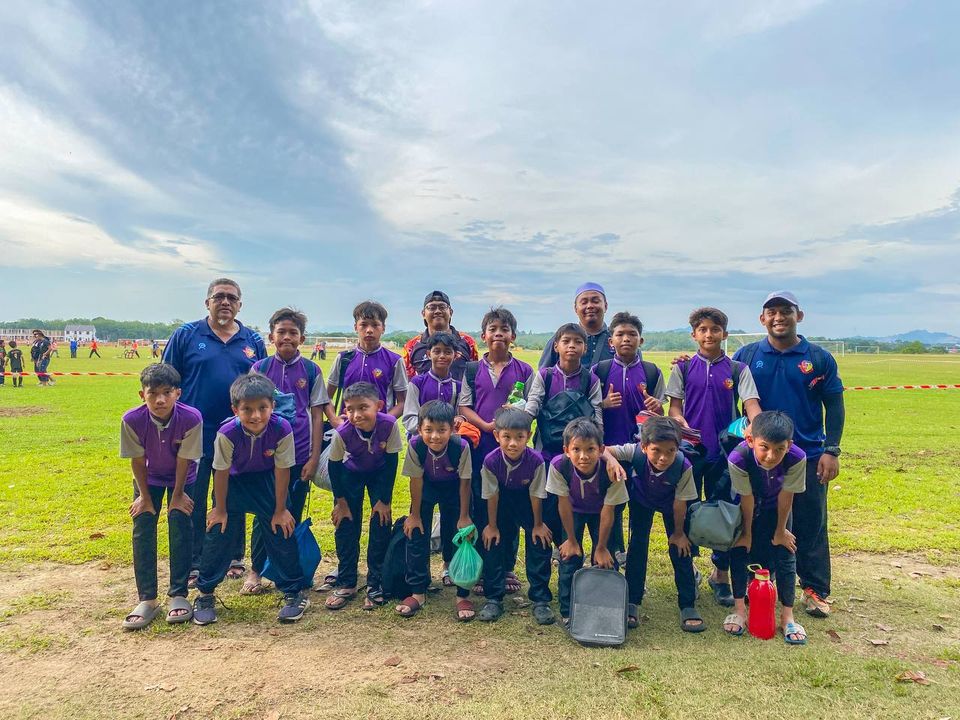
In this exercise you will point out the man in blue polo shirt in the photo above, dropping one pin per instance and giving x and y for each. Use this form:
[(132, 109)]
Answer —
[(210, 354), (800, 378)]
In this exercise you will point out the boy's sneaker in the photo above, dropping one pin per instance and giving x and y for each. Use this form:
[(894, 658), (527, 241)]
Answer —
[(204, 610), (543, 613), (815, 605), (294, 605)]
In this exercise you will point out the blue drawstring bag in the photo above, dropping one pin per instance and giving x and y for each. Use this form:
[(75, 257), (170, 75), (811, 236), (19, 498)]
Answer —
[(466, 564), (309, 551)]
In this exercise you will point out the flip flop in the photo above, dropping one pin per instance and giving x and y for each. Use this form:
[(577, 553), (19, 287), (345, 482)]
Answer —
[(687, 616), (413, 607), (329, 583), (250, 587), (445, 579), (145, 611), (463, 606), (734, 619), (794, 628), (478, 589), (374, 599), (339, 598), (237, 570), (192, 579), (179, 603), (512, 583), (633, 616)]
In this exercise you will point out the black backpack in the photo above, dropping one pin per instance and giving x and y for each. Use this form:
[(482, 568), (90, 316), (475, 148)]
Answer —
[(454, 450), (559, 410), (394, 581)]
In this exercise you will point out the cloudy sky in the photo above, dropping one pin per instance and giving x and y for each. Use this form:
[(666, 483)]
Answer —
[(321, 153)]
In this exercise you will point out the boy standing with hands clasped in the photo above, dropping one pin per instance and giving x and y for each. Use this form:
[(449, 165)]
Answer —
[(767, 470), (164, 440)]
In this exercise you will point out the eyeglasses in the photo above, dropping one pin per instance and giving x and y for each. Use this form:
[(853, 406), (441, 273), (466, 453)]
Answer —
[(435, 307), (220, 297)]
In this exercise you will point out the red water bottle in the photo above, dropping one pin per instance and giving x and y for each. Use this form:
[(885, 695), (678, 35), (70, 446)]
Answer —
[(762, 621)]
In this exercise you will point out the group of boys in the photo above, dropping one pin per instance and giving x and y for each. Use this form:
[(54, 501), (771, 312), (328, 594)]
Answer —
[(469, 455), (15, 357)]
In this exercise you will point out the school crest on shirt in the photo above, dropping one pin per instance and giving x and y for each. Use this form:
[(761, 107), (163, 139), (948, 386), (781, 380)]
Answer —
[(806, 367), (249, 352), (268, 453), (377, 372), (728, 383), (302, 383)]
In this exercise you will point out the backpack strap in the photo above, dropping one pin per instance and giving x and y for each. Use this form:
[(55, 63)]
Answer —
[(602, 370), (455, 450), (547, 382), (585, 381), (419, 448), (639, 461), (735, 370), (675, 471), (470, 377), (346, 357), (265, 368), (310, 367), (749, 353), (652, 374)]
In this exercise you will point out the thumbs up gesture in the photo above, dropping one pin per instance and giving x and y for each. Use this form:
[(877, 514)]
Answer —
[(613, 398), (650, 403)]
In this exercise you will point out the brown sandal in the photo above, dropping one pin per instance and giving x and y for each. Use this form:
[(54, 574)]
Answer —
[(464, 605), (412, 606)]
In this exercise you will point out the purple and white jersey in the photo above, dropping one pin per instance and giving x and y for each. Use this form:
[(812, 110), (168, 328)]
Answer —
[(492, 393), (630, 380), (240, 451), (437, 467), (423, 389), (365, 452), (706, 389), (161, 443), (528, 471), (746, 475), (292, 377), (587, 495), (382, 368), (656, 489)]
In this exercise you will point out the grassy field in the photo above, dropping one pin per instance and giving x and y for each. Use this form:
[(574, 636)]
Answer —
[(66, 583)]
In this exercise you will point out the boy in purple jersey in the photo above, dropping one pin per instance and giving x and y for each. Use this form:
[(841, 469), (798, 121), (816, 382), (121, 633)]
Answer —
[(438, 465), (565, 380), (435, 384), (164, 440), (661, 482), (586, 498), (253, 454), (370, 362), (514, 487), (767, 470), (364, 453), (703, 391), (294, 375), (487, 384)]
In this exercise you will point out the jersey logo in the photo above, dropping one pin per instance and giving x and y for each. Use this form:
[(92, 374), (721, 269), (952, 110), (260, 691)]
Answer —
[(728, 383), (248, 351), (758, 364), (302, 383), (806, 367), (201, 346), (377, 372)]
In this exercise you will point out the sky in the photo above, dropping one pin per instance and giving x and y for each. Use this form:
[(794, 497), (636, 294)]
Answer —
[(681, 154)]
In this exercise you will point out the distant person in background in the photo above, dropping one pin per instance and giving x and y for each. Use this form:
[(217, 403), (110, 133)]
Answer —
[(437, 313), (154, 348), (210, 354), (3, 361), (40, 354), (323, 350), (316, 351), (136, 348), (15, 356), (590, 304), (73, 349), (54, 348), (93, 349)]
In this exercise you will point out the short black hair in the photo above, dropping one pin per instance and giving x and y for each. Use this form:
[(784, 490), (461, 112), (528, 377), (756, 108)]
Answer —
[(584, 429), (660, 429), (570, 329), (499, 314), (773, 426), (159, 375), (511, 418), (291, 314), (370, 310), (252, 386), (625, 318), (441, 338), (359, 390), (708, 313), (436, 411)]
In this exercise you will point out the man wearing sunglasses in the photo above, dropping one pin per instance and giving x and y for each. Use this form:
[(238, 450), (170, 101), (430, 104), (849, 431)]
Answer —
[(210, 354), (437, 314)]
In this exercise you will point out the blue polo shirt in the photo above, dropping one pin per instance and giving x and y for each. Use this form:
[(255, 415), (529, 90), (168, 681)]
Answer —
[(208, 366), (794, 382)]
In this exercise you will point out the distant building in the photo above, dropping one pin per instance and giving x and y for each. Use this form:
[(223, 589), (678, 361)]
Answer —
[(80, 333)]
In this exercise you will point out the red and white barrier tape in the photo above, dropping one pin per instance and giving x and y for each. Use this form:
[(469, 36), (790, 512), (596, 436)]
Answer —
[(8, 374)]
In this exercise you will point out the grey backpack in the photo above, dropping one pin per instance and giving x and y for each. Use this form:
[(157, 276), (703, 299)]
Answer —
[(598, 607), (715, 524)]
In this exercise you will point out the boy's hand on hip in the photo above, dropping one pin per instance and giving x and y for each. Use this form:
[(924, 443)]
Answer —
[(570, 548), (410, 524), (828, 467), (181, 502), (382, 511), (787, 539), (217, 516), (603, 558), (283, 521), (541, 534), (491, 536), (142, 504)]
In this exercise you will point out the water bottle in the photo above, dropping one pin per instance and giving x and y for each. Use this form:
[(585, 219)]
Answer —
[(762, 621), (516, 396)]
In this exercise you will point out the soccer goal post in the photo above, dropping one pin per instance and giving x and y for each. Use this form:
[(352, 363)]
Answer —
[(866, 349), (736, 341)]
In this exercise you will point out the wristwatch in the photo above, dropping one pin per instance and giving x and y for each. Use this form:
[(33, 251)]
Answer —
[(832, 450)]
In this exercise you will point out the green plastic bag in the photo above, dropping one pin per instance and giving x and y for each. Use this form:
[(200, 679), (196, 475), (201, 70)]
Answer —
[(466, 565)]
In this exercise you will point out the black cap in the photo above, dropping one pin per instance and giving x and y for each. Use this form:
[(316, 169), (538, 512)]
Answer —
[(436, 295)]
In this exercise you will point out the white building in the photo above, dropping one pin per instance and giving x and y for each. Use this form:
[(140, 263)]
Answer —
[(80, 333)]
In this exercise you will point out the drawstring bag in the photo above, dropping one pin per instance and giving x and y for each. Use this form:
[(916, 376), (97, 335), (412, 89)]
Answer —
[(466, 565), (715, 524), (307, 547)]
